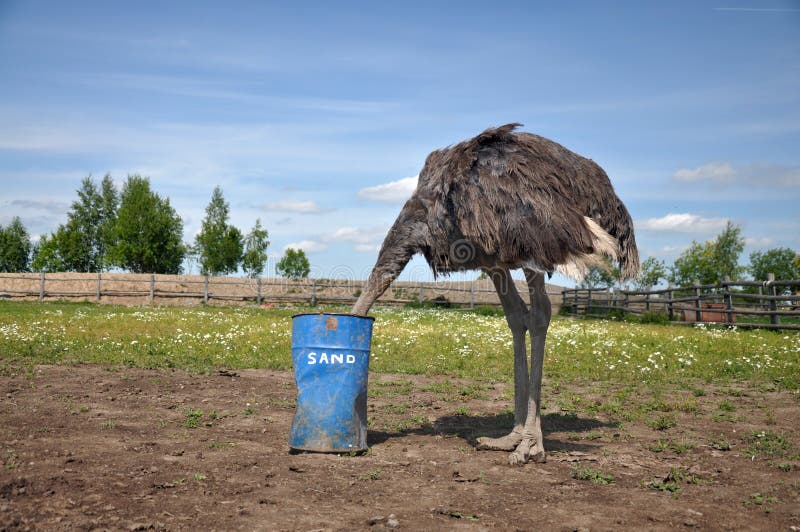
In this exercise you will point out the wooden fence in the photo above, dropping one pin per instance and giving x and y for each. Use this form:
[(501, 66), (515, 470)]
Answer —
[(740, 303), (138, 289)]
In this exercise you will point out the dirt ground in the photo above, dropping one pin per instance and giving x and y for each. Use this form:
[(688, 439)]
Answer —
[(89, 447)]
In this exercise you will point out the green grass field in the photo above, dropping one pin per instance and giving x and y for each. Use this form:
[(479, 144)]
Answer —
[(414, 341)]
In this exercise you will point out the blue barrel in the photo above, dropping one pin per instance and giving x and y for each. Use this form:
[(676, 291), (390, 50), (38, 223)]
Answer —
[(330, 355)]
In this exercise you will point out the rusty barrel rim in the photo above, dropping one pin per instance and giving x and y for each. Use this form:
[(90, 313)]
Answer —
[(345, 314)]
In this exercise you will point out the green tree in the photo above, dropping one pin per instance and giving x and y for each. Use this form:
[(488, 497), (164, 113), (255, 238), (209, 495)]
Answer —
[(106, 230), (148, 231), (652, 271), (294, 264), (15, 247), (255, 250), (219, 244), (47, 254), (82, 243), (712, 261), (780, 261), (604, 276)]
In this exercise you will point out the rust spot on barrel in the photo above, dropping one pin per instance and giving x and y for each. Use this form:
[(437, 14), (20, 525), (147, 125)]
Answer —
[(331, 323)]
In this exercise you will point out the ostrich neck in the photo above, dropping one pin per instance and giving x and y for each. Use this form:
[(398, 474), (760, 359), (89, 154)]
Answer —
[(402, 241)]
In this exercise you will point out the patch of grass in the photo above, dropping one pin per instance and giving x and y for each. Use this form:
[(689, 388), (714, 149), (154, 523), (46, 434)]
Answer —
[(375, 474), (723, 417), (664, 422), (10, 460), (192, 418), (595, 476), (420, 420), (768, 443), (108, 425), (669, 445), (473, 390), (409, 341), (727, 406), (658, 405), (689, 406), (760, 499), (672, 483), (652, 316), (396, 409), (720, 443)]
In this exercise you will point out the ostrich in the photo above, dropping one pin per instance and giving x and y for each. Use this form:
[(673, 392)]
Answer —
[(501, 201)]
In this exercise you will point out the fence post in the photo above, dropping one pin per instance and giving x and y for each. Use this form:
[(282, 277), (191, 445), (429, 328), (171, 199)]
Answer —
[(728, 299), (421, 296), (313, 292), (773, 303), (670, 309), (588, 302), (575, 308), (98, 286), (698, 316), (41, 286), (152, 287), (472, 295), (258, 285), (647, 301), (626, 303), (205, 289)]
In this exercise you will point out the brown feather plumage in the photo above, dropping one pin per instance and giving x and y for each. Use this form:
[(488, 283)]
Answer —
[(511, 200)]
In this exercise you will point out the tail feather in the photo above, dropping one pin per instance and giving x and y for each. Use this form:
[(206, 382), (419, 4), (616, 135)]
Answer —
[(629, 254), (605, 246)]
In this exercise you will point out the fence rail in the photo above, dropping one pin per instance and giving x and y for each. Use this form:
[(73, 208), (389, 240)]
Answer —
[(193, 289), (766, 304)]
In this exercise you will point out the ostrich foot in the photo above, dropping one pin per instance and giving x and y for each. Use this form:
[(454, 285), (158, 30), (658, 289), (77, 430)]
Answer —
[(508, 442), (528, 450)]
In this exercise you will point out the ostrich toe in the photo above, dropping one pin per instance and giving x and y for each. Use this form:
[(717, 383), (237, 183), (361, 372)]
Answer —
[(508, 442)]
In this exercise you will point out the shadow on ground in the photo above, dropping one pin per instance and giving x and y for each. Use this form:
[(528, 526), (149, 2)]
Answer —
[(470, 428)]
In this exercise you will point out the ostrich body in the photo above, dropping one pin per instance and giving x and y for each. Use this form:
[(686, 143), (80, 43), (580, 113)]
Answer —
[(500, 201)]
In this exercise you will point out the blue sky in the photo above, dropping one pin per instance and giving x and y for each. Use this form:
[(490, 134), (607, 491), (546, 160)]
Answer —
[(316, 116)]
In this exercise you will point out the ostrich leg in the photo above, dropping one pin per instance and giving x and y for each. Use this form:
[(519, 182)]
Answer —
[(532, 445), (516, 313)]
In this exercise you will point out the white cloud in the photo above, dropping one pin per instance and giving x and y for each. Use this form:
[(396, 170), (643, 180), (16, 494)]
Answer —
[(710, 171), (683, 223), (754, 174), (673, 249), (359, 235), (352, 234), (301, 207), (306, 245), (759, 241), (49, 206), (364, 240), (392, 192)]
